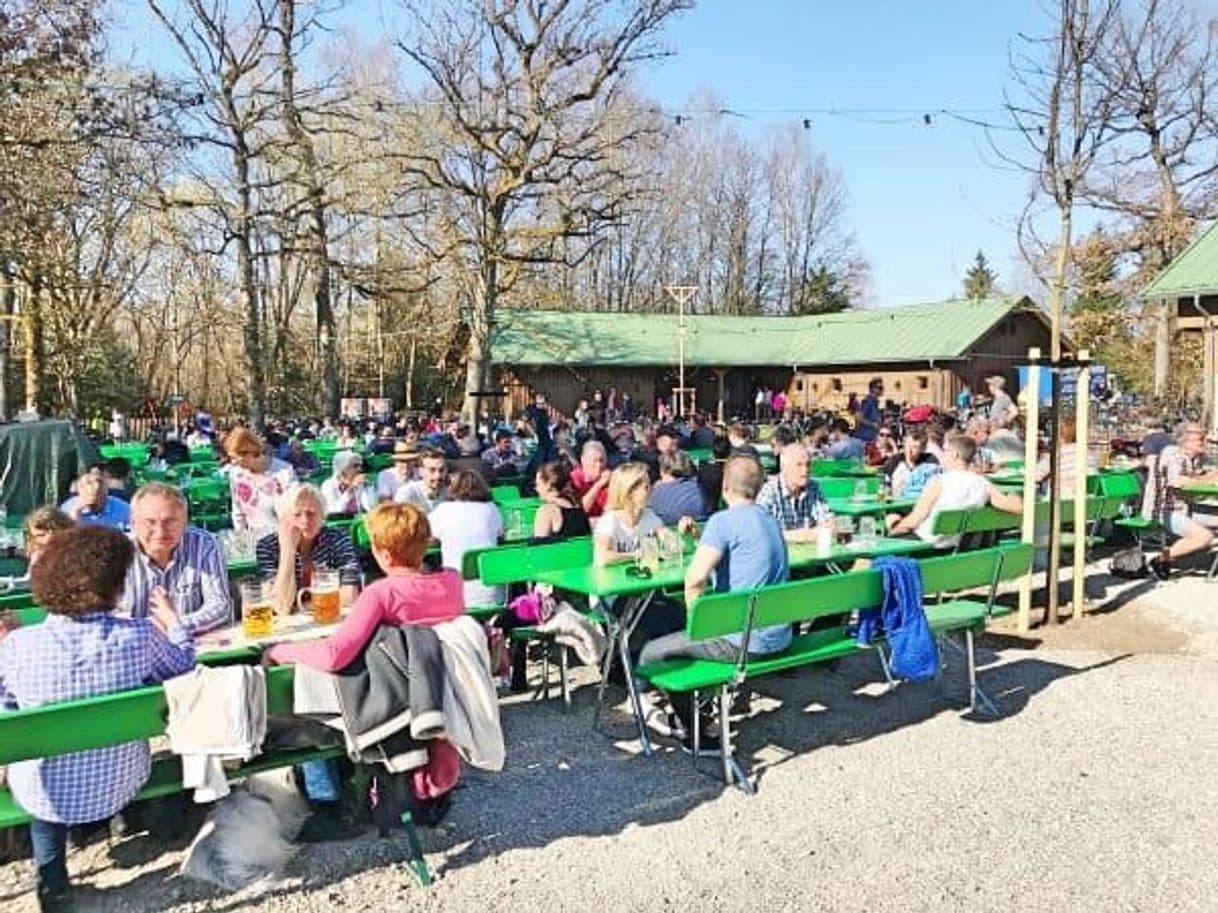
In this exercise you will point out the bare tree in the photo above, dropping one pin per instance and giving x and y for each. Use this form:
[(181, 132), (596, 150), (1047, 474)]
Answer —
[(230, 56), (1065, 113), (527, 92)]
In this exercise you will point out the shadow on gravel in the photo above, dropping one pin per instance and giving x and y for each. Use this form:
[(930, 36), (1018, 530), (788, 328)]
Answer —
[(845, 706)]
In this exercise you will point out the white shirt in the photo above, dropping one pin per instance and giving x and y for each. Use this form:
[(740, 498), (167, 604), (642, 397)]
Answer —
[(961, 490), (416, 493), (388, 482), (625, 539), (354, 500), (464, 525)]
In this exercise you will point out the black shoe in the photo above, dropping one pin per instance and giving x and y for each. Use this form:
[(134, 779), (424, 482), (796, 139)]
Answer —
[(430, 812), (1160, 568), (327, 823), (59, 901)]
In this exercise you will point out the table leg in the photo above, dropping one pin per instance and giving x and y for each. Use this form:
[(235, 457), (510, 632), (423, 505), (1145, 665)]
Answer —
[(621, 629)]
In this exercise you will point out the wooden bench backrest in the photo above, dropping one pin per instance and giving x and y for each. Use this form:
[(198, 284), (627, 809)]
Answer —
[(110, 719), (718, 614), (503, 494)]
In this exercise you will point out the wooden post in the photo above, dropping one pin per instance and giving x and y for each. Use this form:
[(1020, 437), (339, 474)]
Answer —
[(1031, 435), (1082, 401), (721, 373)]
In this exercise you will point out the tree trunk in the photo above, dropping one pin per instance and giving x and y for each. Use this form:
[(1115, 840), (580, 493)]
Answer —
[(318, 247), (478, 365), (8, 301), (255, 378), (410, 367), (1163, 337), (35, 350)]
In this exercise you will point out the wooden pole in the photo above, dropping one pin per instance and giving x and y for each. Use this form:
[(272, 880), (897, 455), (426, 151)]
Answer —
[(1030, 454), (1082, 400)]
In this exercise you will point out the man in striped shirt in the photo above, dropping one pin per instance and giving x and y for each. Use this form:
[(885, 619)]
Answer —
[(177, 568)]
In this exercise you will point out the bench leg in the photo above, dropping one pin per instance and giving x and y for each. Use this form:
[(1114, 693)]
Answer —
[(1212, 575), (975, 694), (417, 863), (563, 682), (733, 772), (887, 669)]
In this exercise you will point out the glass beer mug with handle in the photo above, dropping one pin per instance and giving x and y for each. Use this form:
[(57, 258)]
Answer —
[(323, 591), (257, 613)]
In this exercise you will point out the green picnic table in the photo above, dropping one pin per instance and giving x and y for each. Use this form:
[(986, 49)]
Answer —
[(622, 581), (870, 506)]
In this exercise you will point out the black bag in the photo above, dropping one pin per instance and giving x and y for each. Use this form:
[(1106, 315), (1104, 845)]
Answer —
[(1130, 563)]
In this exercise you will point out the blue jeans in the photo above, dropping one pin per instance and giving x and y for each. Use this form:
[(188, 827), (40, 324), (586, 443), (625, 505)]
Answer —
[(321, 780), (50, 844)]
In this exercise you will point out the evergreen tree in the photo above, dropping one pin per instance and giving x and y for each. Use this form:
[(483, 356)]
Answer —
[(824, 292), (980, 279)]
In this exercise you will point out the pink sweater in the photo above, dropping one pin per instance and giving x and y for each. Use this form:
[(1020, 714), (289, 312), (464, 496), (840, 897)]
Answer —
[(410, 599)]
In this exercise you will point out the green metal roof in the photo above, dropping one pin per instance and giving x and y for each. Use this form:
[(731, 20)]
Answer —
[(1193, 272), (942, 330)]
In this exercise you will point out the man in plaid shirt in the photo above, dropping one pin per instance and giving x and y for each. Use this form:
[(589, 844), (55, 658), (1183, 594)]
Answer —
[(791, 497), (82, 650)]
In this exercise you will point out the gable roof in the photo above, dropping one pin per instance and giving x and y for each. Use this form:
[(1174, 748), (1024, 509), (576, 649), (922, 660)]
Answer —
[(942, 331), (1193, 272)]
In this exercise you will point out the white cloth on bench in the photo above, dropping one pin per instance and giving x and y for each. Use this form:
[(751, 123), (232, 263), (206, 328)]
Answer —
[(215, 714)]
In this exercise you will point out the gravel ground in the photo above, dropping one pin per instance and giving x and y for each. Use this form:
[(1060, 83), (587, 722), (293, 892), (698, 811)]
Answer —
[(1094, 792)]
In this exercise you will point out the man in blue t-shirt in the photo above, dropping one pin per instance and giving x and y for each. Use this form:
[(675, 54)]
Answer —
[(741, 548), (93, 504)]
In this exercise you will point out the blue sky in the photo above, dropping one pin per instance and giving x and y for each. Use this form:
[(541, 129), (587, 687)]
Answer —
[(922, 199)]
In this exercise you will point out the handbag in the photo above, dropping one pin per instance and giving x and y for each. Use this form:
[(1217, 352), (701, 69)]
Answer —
[(1130, 563)]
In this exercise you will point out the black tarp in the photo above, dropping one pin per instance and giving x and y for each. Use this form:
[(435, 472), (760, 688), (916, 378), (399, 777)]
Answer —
[(39, 461)]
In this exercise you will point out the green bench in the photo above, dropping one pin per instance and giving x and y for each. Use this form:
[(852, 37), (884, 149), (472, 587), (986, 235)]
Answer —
[(720, 614), (835, 487), (141, 713), (521, 562)]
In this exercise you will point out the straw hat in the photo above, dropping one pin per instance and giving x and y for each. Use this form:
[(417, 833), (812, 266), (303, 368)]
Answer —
[(404, 452)]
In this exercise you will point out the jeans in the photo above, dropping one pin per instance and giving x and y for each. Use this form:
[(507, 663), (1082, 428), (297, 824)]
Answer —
[(321, 780), (50, 844), (678, 644)]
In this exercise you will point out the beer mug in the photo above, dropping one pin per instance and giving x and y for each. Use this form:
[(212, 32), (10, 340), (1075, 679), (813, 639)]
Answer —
[(257, 613), (324, 599)]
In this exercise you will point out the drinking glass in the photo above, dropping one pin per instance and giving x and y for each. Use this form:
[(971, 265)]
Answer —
[(257, 612), (867, 530), (649, 553), (323, 596), (844, 527)]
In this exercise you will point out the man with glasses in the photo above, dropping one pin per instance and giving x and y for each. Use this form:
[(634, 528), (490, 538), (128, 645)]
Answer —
[(1177, 465), (177, 568)]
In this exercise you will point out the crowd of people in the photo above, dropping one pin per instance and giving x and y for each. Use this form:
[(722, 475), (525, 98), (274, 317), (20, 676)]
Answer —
[(129, 583)]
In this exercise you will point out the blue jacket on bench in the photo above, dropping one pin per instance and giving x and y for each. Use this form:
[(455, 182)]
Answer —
[(902, 618)]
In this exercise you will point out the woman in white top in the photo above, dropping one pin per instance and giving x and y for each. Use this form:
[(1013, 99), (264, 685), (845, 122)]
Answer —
[(468, 520), (256, 480), (347, 490), (627, 520), (956, 488)]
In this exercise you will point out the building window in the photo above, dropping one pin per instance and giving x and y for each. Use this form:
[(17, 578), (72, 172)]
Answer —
[(896, 385), (837, 385), (799, 386), (923, 382)]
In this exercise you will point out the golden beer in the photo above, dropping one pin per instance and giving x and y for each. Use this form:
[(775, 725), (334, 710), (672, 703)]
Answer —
[(257, 619), (324, 605)]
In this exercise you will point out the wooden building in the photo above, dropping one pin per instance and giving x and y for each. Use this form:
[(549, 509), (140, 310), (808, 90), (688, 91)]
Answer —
[(1187, 291), (925, 353)]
